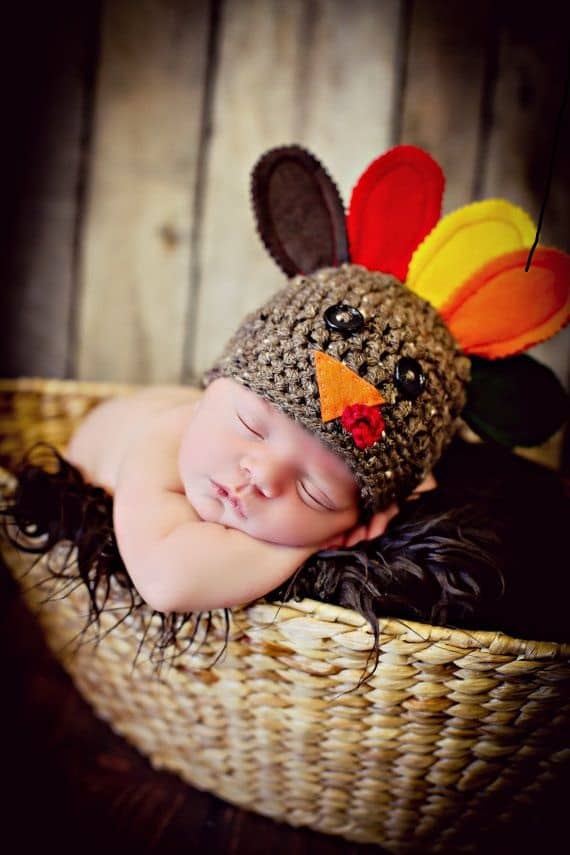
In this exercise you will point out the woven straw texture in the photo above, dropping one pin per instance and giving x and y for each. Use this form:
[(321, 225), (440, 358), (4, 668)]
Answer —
[(455, 731)]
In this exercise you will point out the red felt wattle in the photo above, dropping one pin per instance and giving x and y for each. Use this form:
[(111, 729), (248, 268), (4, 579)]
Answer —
[(394, 205), (364, 423)]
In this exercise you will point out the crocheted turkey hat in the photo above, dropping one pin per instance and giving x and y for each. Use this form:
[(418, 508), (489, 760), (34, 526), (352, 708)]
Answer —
[(379, 370)]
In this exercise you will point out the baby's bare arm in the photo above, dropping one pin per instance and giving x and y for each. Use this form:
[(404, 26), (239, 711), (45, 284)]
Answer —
[(177, 561), (101, 441), (198, 566)]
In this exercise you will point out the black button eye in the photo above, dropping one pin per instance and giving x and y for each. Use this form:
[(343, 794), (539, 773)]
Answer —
[(409, 377), (343, 318)]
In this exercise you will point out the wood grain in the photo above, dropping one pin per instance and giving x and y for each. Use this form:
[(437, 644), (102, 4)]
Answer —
[(46, 69), (135, 262), (442, 99), (318, 73), (532, 66)]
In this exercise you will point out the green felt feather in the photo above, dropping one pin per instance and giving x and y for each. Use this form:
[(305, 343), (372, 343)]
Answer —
[(514, 401)]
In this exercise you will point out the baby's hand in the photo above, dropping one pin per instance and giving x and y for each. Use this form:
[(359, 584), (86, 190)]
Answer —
[(365, 531), (374, 528), (378, 524)]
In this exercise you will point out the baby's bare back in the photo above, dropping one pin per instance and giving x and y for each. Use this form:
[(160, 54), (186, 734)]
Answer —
[(99, 444)]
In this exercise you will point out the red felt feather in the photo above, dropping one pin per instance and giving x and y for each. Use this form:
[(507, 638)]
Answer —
[(395, 204)]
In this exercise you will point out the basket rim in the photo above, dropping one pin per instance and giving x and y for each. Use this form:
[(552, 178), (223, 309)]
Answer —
[(57, 386), (494, 641)]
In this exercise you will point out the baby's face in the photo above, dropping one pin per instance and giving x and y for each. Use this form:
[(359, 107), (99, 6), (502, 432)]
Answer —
[(248, 466)]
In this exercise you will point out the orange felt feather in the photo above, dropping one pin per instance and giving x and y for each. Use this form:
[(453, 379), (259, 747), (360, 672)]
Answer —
[(339, 387), (502, 310)]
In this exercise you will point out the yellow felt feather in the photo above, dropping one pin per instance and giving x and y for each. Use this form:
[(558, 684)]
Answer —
[(464, 241)]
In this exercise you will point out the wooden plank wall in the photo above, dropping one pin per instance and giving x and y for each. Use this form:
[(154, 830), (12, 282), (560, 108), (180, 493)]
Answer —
[(47, 69), (133, 253)]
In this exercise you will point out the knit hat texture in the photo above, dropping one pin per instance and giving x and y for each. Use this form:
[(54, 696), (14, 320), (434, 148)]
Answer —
[(272, 354)]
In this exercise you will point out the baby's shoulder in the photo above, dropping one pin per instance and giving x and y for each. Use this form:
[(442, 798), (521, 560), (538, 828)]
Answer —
[(150, 400), (99, 445)]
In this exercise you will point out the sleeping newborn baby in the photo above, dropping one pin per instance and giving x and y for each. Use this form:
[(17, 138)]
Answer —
[(331, 403), (324, 413), (218, 496)]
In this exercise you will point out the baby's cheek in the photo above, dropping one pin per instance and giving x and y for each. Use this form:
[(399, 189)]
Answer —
[(318, 528), (282, 526)]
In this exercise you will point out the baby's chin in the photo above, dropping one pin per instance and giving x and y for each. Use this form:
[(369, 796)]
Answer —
[(208, 509)]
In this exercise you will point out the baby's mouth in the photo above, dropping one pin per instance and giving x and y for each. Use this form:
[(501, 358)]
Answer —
[(230, 497)]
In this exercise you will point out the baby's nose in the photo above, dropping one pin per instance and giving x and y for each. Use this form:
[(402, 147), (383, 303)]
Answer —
[(268, 474)]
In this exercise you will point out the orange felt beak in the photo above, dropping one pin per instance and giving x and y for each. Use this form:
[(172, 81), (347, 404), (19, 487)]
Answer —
[(339, 387)]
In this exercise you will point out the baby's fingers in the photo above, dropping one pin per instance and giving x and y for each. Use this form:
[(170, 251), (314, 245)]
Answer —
[(356, 535)]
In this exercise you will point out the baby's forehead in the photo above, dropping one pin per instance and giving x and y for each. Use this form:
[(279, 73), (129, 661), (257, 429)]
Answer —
[(306, 443), (269, 408), (274, 413)]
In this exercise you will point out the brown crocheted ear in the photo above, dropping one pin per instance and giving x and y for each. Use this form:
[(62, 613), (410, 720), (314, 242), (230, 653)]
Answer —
[(299, 212)]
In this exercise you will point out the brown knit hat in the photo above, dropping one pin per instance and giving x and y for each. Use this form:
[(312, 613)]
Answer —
[(352, 354), (401, 339)]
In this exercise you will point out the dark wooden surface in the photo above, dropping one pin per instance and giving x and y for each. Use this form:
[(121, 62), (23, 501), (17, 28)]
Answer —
[(71, 785), (98, 205), (47, 72)]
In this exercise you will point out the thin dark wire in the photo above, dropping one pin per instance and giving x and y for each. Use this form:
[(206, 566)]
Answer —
[(551, 167)]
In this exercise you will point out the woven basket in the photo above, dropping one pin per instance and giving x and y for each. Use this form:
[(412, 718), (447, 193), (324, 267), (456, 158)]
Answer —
[(455, 730)]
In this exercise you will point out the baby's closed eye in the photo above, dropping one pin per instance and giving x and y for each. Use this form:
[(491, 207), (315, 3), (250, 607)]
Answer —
[(312, 496), (250, 426)]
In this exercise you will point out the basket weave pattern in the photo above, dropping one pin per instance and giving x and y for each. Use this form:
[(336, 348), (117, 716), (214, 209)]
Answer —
[(455, 729)]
